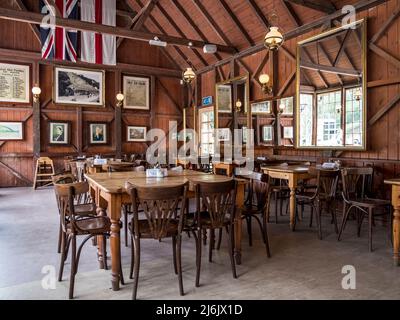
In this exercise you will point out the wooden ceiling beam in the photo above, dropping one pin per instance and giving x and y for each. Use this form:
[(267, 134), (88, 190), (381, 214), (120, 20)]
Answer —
[(260, 15), (360, 6), (36, 18), (319, 5), (172, 22), (138, 21), (34, 27), (291, 13), (330, 69), (213, 24), (182, 10), (237, 22)]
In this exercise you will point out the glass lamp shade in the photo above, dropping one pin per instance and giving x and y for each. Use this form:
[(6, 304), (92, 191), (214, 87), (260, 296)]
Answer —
[(282, 107), (36, 91), (120, 97), (273, 39), (264, 78), (357, 94), (189, 75), (238, 105)]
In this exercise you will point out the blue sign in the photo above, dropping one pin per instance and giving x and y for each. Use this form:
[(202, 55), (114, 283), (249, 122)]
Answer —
[(207, 101)]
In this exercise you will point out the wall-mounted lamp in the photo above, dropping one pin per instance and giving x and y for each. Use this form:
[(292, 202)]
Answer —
[(357, 94), (189, 75), (281, 107), (36, 91), (238, 105), (264, 80), (120, 99)]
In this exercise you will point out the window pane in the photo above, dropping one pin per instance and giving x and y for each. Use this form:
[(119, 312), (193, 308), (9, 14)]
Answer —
[(354, 105), (306, 119)]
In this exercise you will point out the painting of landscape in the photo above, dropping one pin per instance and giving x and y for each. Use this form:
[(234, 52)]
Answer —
[(11, 131), (75, 86)]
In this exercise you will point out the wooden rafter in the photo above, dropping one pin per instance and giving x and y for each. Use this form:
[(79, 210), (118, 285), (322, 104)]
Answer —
[(330, 69), (320, 75), (138, 21), (260, 15), (188, 18), (170, 97), (328, 58), (179, 31), (36, 18), (212, 22), (20, 4), (237, 22), (384, 110), (319, 5), (291, 13)]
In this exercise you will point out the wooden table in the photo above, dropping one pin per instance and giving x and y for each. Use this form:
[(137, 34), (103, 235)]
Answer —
[(97, 168), (395, 183), (108, 191), (293, 174), (224, 166)]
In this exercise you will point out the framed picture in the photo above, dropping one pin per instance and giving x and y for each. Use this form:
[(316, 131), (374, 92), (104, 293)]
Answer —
[(78, 86), (11, 130), (14, 79), (264, 107), (59, 132), (98, 133), (137, 93), (287, 132), (136, 133), (267, 134), (288, 103), (224, 98), (223, 134)]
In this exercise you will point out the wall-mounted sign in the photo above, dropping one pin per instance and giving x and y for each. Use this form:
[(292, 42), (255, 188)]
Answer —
[(207, 101)]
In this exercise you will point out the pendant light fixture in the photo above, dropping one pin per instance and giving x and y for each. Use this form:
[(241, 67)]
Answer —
[(189, 75), (274, 38)]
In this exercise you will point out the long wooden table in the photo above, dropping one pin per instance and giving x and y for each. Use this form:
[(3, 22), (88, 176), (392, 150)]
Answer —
[(293, 174), (108, 191), (395, 183)]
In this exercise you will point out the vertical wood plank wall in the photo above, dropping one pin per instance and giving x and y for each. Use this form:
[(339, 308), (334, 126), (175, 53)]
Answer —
[(16, 157), (383, 137)]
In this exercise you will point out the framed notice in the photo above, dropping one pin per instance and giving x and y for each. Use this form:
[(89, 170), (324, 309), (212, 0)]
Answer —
[(14, 83), (136, 92)]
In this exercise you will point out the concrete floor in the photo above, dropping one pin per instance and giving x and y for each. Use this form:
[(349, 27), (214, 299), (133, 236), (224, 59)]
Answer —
[(302, 267)]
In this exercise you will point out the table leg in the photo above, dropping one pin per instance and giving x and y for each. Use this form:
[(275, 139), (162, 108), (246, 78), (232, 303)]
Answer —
[(238, 224), (114, 211), (396, 236), (292, 208)]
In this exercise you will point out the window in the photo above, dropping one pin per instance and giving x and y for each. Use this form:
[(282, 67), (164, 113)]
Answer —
[(329, 119), (306, 119), (206, 125), (354, 118)]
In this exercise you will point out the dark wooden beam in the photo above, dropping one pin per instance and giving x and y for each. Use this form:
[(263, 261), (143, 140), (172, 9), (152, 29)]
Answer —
[(319, 5), (213, 24), (260, 15), (330, 69), (384, 82), (385, 55), (172, 22), (237, 22), (188, 18), (291, 13), (36, 18), (320, 75), (170, 97), (342, 48), (329, 59), (359, 7), (385, 25), (384, 110), (34, 28)]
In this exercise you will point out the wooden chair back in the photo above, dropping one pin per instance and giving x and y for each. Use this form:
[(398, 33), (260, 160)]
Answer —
[(327, 181), (357, 182), (218, 200), (160, 206), (258, 190)]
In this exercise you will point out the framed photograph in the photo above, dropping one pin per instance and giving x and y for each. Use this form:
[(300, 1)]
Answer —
[(288, 103), (223, 134), (59, 132), (287, 132), (78, 86), (137, 93), (136, 133), (14, 79), (98, 133), (224, 98), (264, 107), (267, 134), (11, 131)]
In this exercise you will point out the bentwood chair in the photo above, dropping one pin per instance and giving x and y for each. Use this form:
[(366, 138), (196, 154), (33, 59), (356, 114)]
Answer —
[(257, 206), (160, 206), (324, 194), (215, 209), (357, 182), (84, 205), (74, 225)]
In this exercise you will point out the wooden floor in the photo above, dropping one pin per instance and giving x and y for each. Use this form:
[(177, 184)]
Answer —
[(301, 267)]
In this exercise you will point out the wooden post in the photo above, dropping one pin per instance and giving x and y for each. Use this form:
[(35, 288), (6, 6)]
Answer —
[(36, 114), (118, 118)]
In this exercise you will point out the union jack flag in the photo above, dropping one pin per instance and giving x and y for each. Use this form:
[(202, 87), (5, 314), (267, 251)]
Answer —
[(59, 43)]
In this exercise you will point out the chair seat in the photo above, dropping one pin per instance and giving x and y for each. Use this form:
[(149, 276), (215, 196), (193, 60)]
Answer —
[(87, 209), (93, 225), (250, 210), (145, 231), (205, 220), (369, 202)]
